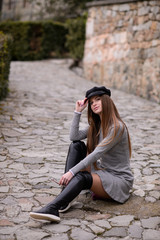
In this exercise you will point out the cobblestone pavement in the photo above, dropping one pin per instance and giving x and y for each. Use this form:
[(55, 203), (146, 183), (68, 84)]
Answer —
[(35, 121)]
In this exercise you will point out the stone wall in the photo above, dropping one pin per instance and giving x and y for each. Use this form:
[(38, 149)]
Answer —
[(24, 10), (122, 48)]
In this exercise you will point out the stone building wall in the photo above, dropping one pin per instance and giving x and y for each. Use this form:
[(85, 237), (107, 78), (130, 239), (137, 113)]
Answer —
[(24, 10), (122, 48), (14, 9), (31, 10)]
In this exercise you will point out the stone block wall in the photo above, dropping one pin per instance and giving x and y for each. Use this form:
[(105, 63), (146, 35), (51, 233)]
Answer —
[(122, 48), (23, 10), (31, 10)]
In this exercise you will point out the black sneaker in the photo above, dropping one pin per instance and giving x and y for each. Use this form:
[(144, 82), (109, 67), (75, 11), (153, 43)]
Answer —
[(40, 215)]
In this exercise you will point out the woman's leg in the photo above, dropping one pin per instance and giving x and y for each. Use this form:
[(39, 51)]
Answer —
[(77, 151), (81, 181), (97, 187)]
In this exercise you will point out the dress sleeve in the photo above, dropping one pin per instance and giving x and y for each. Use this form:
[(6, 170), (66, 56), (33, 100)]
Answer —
[(75, 133), (104, 146)]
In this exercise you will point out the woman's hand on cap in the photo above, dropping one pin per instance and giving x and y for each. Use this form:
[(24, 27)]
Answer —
[(81, 105)]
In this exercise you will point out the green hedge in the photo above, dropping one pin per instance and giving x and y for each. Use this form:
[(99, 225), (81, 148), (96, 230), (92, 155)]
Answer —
[(5, 57), (46, 39), (36, 40), (76, 36)]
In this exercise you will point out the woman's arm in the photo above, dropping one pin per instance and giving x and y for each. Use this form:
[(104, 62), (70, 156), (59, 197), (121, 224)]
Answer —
[(75, 133), (102, 148), (94, 156)]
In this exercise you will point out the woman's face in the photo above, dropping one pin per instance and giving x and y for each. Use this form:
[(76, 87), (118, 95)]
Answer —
[(96, 104)]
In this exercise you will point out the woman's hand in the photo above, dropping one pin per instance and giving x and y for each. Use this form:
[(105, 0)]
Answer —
[(66, 178), (81, 105)]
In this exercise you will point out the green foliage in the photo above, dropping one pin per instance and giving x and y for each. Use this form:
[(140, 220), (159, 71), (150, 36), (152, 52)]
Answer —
[(46, 39), (5, 47), (76, 37), (36, 40), (54, 39)]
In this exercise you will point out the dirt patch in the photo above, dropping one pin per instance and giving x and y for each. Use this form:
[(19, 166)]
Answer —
[(136, 206)]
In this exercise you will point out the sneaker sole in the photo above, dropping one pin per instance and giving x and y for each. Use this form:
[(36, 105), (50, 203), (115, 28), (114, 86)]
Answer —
[(65, 209), (41, 216)]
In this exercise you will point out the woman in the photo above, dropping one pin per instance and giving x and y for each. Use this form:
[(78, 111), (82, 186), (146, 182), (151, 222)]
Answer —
[(104, 166)]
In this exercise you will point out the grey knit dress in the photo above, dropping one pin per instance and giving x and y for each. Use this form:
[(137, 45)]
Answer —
[(112, 159)]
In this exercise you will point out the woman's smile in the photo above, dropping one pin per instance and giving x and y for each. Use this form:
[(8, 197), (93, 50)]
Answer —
[(95, 108)]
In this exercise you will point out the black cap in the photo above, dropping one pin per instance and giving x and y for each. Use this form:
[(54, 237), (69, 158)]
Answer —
[(98, 91)]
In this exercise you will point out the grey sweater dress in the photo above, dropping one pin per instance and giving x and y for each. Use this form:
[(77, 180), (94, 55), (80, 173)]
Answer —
[(113, 159)]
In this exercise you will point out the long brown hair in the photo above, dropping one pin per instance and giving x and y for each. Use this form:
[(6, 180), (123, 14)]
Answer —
[(110, 117)]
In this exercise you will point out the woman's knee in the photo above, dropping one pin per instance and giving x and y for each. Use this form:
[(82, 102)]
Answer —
[(80, 147), (78, 144), (86, 178)]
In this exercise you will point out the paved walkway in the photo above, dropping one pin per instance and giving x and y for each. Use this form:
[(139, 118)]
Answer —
[(35, 121)]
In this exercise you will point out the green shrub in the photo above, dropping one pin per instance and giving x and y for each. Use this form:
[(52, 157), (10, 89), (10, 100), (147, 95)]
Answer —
[(54, 39), (36, 40), (76, 37), (45, 39), (5, 47)]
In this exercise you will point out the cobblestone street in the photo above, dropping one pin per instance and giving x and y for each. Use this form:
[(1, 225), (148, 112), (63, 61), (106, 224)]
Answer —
[(34, 137)]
